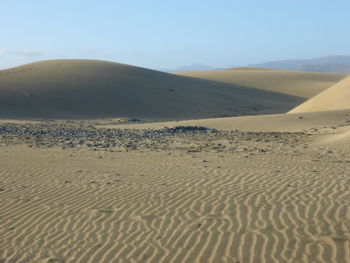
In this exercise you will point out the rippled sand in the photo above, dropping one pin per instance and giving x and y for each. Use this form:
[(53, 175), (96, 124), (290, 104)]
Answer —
[(255, 199)]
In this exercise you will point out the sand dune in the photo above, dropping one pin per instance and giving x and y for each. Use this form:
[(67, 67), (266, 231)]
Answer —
[(92, 89), (260, 197), (301, 84), (258, 189), (335, 98)]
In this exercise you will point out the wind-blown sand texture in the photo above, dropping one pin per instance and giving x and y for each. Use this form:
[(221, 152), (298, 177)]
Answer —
[(79, 192), (87, 89), (300, 84), (336, 97)]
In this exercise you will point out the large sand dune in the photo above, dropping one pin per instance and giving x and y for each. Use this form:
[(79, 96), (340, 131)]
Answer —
[(92, 89), (336, 97), (257, 189), (301, 84)]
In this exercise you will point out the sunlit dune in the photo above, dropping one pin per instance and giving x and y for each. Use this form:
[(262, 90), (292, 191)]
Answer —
[(300, 84), (336, 97)]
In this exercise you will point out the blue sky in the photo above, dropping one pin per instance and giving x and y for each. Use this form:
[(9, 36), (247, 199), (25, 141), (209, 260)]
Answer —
[(166, 34)]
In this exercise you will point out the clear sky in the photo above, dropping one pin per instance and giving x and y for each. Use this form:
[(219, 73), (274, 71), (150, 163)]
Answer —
[(171, 33)]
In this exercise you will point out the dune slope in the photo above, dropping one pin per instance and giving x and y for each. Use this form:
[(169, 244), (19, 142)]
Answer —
[(301, 84), (93, 89), (334, 98)]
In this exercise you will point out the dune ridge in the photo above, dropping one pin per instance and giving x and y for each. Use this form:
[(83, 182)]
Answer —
[(76, 89), (301, 84), (334, 98)]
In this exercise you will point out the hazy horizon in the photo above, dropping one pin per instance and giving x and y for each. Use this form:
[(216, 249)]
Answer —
[(164, 34)]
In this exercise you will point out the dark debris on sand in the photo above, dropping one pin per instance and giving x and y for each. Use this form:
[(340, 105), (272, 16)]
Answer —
[(192, 138)]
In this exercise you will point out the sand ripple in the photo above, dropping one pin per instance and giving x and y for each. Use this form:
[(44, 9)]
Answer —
[(156, 207)]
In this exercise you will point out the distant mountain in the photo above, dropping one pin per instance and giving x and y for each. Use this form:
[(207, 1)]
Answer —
[(192, 67), (330, 64)]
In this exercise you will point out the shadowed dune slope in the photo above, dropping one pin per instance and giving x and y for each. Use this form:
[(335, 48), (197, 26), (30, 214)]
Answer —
[(72, 89), (301, 84), (335, 98)]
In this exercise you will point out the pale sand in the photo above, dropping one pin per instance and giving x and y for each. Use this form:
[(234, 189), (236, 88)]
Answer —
[(301, 84), (84, 89), (293, 122), (336, 97), (257, 197)]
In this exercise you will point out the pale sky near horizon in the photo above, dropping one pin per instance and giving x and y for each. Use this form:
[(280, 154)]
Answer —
[(167, 34)]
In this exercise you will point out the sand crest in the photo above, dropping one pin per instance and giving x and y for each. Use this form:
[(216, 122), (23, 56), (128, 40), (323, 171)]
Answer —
[(89, 89), (334, 98)]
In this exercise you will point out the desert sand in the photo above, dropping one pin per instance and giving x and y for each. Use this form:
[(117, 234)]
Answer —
[(85, 89), (177, 195), (294, 83), (336, 97), (258, 189)]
